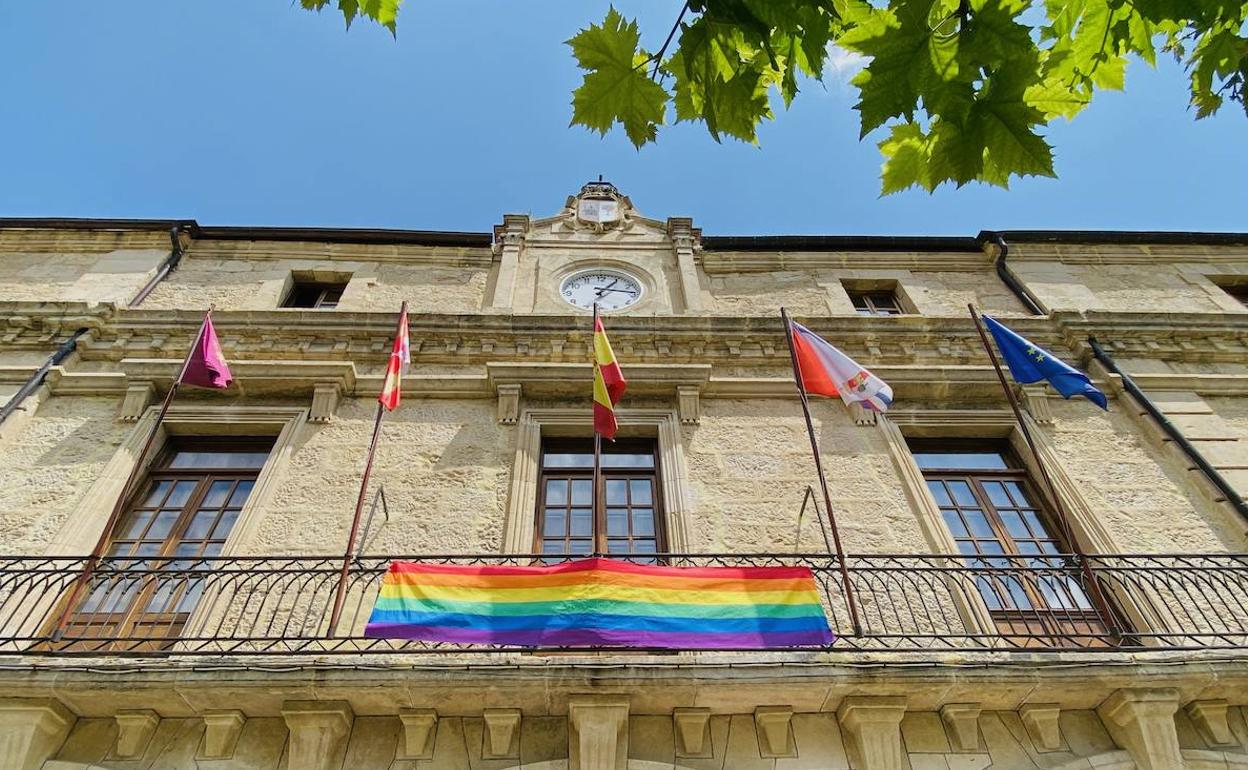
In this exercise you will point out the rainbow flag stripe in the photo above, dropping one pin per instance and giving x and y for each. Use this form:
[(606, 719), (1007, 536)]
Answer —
[(601, 603)]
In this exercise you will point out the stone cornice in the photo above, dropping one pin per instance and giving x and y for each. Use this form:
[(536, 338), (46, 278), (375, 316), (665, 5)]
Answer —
[(44, 240), (397, 253), (1125, 253), (757, 262)]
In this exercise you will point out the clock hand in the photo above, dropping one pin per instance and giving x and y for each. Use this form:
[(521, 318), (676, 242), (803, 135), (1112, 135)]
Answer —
[(607, 288)]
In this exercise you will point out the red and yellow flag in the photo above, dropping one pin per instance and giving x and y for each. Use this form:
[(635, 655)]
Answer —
[(608, 383), (400, 357)]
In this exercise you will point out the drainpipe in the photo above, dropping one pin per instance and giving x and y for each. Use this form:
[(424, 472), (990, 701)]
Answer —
[(1193, 454), (168, 266), (1007, 275), (38, 377)]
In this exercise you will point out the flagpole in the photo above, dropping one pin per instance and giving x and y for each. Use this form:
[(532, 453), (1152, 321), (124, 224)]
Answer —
[(340, 595), (1058, 506), (850, 603), (600, 526), (119, 505)]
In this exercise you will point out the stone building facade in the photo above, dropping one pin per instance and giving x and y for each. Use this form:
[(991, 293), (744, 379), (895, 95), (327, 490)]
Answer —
[(1130, 656)]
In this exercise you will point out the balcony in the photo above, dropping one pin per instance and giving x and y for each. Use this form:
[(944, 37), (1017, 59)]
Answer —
[(281, 605)]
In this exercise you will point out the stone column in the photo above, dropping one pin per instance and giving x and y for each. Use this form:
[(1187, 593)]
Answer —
[(873, 726), (1142, 722), (31, 730), (318, 733), (597, 733)]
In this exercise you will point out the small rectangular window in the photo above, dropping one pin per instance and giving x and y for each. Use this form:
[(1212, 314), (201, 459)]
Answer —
[(317, 295), (1239, 292)]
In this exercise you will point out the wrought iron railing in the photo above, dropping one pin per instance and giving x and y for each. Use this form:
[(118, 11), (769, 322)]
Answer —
[(281, 604)]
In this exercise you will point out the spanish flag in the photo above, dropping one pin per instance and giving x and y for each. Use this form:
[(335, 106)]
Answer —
[(608, 383), (400, 357)]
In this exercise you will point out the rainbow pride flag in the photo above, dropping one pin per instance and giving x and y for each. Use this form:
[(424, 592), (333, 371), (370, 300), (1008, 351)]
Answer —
[(601, 603)]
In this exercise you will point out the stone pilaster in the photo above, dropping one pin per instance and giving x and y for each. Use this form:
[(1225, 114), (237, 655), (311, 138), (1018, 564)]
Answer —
[(1142, 722), (509, 243), (318, 733), (31, 730), (685, 239), (873, 729), (597, 733)]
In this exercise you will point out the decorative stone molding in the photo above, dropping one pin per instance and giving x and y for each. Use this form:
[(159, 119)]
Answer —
[(873, 727), (773, 725), (597, 732), (686, 242), (693, 732), (508, 247), (135, 728), (688, 404), (1035, 399), (502, 734), (1043, 727), (31, 730), (222, 728), (419, 730), (962, 723), (325, 397), (1142, 722), (1209, 716), (509, 403), (138, 396), (318, 733), (861, 415)]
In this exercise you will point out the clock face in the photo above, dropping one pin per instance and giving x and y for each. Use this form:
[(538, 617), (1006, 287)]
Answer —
[(610, 289)]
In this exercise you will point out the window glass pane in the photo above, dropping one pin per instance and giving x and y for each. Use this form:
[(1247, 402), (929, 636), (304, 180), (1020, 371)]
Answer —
[(568, 460), (1018, 494), (954, 522), (163, 525), (1027, 546), (552, 546), (961, 460), (222, 459), (157, 495), (990, 546), (582, 521), (135, 525), (644, 546), (225, 524), (962, 494), (617, 492), (1034, 522), (643, 522), (240, 493), (580, 546), (617, 521), (978, 524), (557, 492), (181, 493), (629, 460), (200, 525), (1013, 523), (640, 490), (582, 491), (617, 546), (996, 493), (938, 491), (217, 494), (554, 523)]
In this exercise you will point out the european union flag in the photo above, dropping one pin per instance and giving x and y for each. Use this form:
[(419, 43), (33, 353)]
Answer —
[(1031, 363)]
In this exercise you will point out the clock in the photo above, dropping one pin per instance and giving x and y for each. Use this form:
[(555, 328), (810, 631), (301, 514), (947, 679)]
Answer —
[(611, 289)]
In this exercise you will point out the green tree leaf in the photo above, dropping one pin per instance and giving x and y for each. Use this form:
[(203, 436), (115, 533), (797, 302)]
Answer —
[(617, 87)]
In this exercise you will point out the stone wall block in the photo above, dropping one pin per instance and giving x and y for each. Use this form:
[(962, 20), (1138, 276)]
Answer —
[(419, 731), (502, 734), (1210, 719), (693, 732), (1041, 721), (873, 728), (1142, 722), (318, 733), (31, 730), (597, 733), (222, 728), (135, 728)]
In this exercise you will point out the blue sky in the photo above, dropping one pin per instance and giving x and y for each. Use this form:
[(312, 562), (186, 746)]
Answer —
[(255, 112)]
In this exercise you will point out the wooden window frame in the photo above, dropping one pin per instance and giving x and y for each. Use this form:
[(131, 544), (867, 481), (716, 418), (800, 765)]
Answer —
[(327, 298), (599, 536), (868, 302)]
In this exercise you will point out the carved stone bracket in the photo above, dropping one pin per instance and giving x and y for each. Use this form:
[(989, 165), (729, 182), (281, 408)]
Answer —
[(873, 727), (1142, 722), (693, 727), (597, 733), (688, 404), (502, 734), (31, 730), (419, 729), (686, 242), (861, 415), (774, 727), (138, 396), (325, 396), (1041, 721), (318, 733), (1036, 400), (135, 728), (962, 721), (222, 728), (1209, 716), (509, 403)]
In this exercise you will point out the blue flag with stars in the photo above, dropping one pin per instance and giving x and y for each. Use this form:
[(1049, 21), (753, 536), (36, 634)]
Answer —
[(1031, 363)]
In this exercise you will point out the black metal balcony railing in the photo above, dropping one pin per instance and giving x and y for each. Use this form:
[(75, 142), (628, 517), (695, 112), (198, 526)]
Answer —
[(281, 605)]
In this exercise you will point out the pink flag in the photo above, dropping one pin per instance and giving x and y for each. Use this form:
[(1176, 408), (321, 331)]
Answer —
[(206, 366)]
